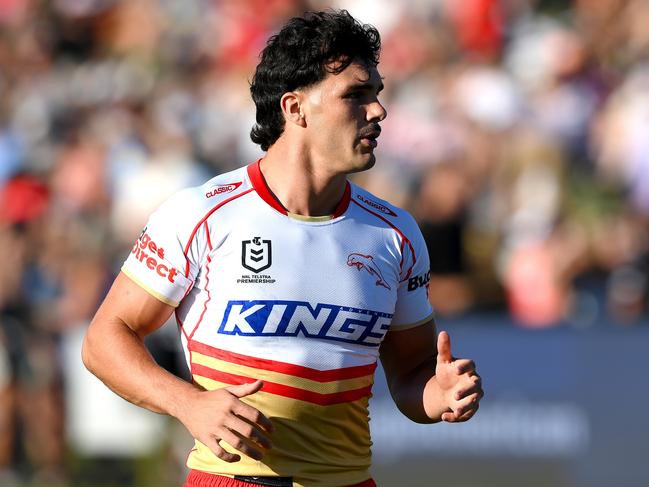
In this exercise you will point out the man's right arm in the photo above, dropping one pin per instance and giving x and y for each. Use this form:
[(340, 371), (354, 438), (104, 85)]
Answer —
[(114, 351)]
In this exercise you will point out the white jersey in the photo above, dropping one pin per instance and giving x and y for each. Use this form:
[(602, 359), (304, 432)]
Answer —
[(301, 303)]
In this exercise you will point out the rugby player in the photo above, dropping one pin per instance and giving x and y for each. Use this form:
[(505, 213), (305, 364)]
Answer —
[(288, 284)]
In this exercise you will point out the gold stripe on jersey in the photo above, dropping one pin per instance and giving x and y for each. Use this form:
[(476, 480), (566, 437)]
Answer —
[(280, 378), (317, 445)]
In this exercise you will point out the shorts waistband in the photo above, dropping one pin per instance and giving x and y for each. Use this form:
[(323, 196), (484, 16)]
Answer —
[(197, 478)]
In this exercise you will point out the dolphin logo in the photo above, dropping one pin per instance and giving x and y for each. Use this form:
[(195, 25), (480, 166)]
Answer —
[(361, 261)]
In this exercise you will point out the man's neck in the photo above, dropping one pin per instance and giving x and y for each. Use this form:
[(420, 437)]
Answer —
[(303, 186)]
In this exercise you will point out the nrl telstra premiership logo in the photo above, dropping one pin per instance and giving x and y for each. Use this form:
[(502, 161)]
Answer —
[(256, 254)]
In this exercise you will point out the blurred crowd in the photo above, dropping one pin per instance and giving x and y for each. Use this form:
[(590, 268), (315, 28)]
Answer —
[(517, 134)]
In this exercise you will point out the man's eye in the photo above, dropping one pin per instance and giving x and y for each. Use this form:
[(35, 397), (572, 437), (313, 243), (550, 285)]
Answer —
[(353, 94)]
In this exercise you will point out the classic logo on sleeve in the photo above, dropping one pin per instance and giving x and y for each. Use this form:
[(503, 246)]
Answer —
[(293, 318), (223, 188), (376, 205), (150, 254)]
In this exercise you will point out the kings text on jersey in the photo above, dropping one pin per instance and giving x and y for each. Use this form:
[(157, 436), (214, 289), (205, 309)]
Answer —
[(293, 318)]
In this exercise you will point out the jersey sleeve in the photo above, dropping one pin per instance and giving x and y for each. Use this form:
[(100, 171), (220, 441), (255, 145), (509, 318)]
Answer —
[(412, 307), (158, 261)]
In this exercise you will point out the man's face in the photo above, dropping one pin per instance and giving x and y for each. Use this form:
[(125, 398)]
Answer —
[(343, 114)]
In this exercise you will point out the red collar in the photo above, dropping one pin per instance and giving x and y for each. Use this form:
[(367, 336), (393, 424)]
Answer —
[(262, 189)]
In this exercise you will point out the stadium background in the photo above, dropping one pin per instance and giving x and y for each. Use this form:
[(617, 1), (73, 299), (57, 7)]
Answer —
[(518, 135)]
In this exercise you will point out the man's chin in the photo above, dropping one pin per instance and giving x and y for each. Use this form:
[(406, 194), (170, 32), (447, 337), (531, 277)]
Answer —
[(366, 163), (370, 163)]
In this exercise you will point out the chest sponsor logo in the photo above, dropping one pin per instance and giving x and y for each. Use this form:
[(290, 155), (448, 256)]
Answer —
[(376, 205), (256, 254), (366, 263), (416, 282), (300, 318), (150, 254), (224, 188)]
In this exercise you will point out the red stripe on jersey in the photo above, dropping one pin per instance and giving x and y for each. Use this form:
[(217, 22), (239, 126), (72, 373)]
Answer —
[(261, 187), (207, 283), (284, 367), (209, 297), (202, 220), (403, 237), (284, 390), (207, 234)]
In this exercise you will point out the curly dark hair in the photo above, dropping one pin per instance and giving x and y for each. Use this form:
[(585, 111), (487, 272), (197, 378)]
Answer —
[(300, 55)]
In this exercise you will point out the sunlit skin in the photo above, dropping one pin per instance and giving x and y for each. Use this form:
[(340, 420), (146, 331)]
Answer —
[(341, 112), (330, 131)]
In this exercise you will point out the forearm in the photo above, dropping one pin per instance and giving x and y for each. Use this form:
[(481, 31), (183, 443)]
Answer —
[(427, 383), (420, 397), (117, 356)]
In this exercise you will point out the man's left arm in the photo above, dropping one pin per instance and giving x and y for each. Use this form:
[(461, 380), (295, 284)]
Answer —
[(427, 383)]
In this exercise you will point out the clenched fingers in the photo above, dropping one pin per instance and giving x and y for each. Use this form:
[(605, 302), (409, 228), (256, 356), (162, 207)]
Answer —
[(454, 418), (463, 409), (472, 385), (467, 404), (464, 366)]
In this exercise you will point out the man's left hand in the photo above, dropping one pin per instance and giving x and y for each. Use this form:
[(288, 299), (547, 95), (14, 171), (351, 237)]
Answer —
[(458, 381)]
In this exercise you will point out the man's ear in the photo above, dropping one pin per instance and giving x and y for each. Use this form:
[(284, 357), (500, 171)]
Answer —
[(291, 104)]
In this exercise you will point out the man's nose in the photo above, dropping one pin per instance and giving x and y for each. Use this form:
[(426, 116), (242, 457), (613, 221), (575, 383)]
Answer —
[(376, 112)]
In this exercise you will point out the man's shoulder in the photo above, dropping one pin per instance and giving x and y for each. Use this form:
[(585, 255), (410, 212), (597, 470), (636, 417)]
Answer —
[(225, 185), (197, 200), (393, 215)]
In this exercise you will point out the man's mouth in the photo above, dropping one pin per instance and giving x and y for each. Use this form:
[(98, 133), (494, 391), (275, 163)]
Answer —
[(368, 137), (369, 142)]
